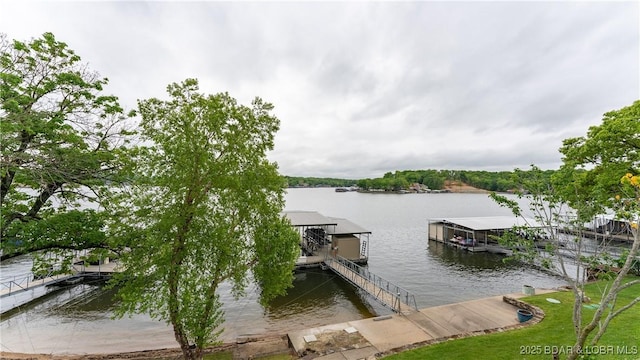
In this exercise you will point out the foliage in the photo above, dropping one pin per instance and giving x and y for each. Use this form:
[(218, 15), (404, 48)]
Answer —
[(62, 146), (502, 181), (599, 174), (297, 181), (205, 208), (593, 165), (538, 341), (622, 259), (400, 180)]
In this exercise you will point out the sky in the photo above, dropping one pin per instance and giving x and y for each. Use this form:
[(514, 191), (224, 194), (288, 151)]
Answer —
[(362, 88)]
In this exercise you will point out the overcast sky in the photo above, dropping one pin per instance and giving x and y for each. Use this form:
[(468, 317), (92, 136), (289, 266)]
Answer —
[(362, 88)]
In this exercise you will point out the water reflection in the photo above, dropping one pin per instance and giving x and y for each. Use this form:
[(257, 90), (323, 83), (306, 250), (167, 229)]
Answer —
[(68, 319), (92, 302), (457, 258), (317, 292)]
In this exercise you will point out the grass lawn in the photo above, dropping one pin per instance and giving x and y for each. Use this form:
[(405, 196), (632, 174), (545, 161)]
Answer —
[(621, 341)]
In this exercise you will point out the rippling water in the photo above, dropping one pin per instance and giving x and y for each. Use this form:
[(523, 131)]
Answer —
[(78, 319)]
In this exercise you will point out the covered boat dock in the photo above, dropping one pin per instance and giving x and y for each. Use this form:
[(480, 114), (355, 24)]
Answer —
[(342, 246), (474, 233), (322, 237)]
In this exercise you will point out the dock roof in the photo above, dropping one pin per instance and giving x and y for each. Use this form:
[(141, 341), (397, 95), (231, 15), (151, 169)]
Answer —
[(346, 227), (308, 218), (337, 226), (489, 222)]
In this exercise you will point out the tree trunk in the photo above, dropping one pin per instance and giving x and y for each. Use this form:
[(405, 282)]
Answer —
[(7, 179), (42, 199), (174, 279), (5, 184), (610, 296), (187, 352)]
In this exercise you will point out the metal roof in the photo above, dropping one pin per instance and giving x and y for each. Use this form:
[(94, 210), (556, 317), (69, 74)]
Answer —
[(489, 222), (308, 218), (346, 227), (337, 226)]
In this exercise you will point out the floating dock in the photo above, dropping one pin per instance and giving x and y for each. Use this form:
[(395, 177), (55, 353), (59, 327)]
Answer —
[(341, 246), (25, 288), (474, 233), (322, 237)]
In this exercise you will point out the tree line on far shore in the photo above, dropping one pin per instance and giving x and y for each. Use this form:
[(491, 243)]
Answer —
[(499, 181), (188, 187)]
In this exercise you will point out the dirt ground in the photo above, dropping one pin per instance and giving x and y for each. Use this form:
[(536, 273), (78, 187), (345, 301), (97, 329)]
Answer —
[(246, 349), (330, 342), (460, 187)]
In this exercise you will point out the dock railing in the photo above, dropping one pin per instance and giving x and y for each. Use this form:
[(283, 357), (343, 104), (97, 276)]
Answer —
[(383, 290), (29, 281)]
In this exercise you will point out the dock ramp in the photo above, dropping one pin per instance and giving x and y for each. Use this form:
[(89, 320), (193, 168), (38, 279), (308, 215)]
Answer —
[(387, 293), (29, 281), (22, 289)]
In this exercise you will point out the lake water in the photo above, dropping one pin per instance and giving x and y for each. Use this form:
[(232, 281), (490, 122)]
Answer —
[(78, 319)]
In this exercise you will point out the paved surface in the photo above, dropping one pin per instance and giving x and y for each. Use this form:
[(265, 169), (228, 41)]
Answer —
[(395, 331)]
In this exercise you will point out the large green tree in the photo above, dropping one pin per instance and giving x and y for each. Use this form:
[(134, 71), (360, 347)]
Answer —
[(61, 147), (205, 208), (594, 164), (600, 174)]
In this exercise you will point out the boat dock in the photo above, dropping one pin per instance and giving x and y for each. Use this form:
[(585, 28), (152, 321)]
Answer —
[(322, 237), (342, 246), (25, 288), (474, 234)]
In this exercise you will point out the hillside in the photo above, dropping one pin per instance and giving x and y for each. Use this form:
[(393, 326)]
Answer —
[(460, 187)]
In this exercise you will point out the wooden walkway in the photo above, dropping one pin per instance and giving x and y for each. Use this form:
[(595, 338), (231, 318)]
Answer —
[(387, 293)]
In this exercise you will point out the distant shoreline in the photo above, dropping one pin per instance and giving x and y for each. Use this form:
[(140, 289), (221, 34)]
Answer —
[(462, 189)]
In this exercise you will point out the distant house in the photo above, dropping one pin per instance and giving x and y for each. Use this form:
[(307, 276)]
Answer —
[(419, 188)]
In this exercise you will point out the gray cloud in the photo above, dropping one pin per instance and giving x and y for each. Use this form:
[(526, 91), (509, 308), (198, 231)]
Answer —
[(363, 88)]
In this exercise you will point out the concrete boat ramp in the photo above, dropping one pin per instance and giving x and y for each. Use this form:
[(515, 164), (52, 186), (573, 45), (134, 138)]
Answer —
[(363, 339)]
